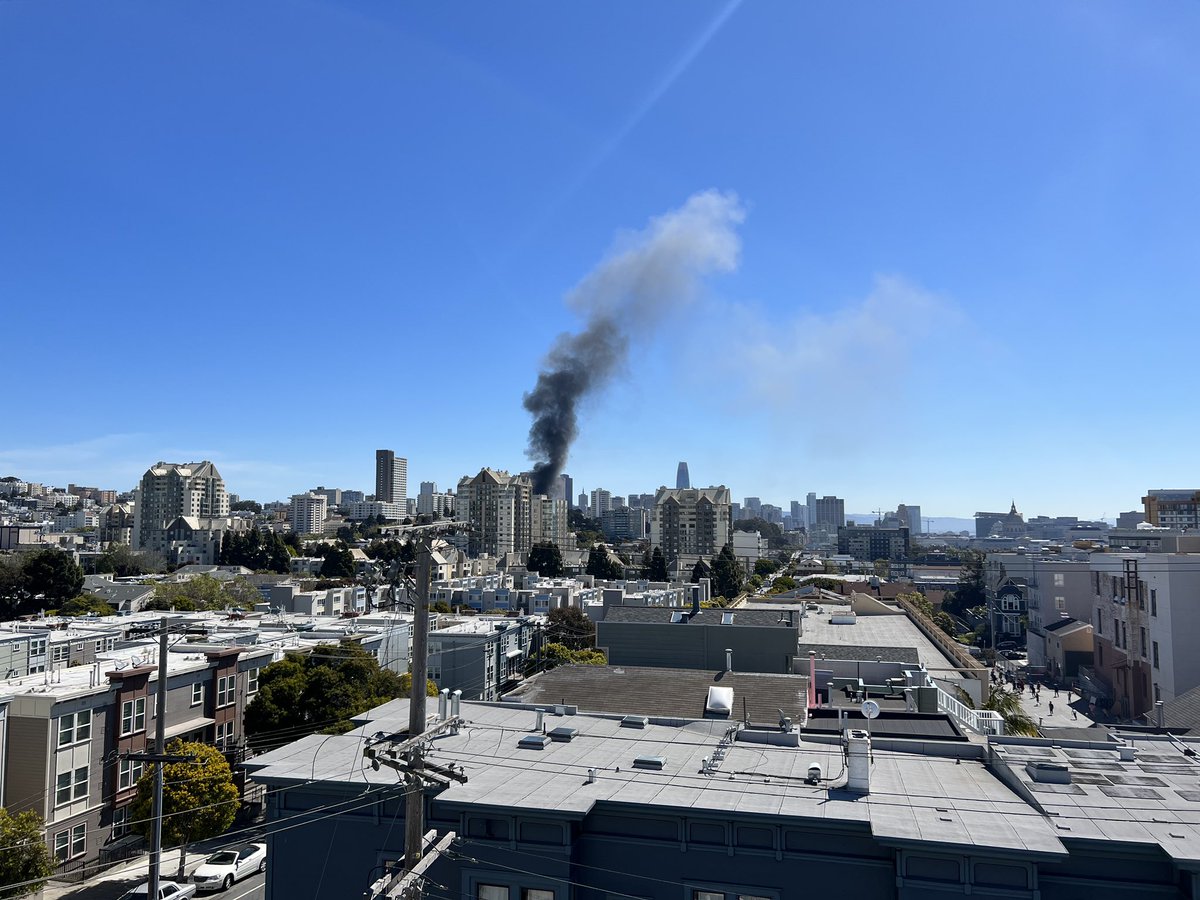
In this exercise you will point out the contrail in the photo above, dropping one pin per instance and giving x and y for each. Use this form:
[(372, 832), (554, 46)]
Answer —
[(650, 274)]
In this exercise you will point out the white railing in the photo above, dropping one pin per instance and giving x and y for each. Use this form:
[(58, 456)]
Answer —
[(981, 721)]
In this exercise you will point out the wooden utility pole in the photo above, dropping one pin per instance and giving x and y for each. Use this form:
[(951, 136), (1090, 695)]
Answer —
[(160, 740), (414, 813)]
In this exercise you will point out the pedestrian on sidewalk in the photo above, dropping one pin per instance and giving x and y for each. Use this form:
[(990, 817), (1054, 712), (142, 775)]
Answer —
[(1056, 692), (1074, 714), (1051, 707)]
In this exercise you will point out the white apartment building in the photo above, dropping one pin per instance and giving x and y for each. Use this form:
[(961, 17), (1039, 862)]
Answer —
[(497, 505), (1146, 626), (601, 502), (549, 523), (169, 491), (366, 509), (749, 547), (691, 521), (309, 512)]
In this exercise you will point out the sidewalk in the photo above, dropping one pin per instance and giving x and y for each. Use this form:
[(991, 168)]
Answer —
[(1072, 713), (112, 883)]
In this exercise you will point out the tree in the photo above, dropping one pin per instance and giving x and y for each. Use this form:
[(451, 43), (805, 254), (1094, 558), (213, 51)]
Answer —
[(25, 861), (570, 626), (200, 799), (254, 551), (14, 598), (765, 567), (545, 559), (783, 583), (317, 692), (603, 565), (123, 561), (727, 574), (51, 574), (945, 621), (431, 688), (555, 654), (203, 592), (246, 506), (772, 532), (700, 570), (84, 605), (971, 587), (339, 562), (658, 566), (1008, 704), (440, 606)]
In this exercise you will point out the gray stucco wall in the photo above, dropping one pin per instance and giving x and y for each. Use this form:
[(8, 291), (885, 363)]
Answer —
[(696, 646)]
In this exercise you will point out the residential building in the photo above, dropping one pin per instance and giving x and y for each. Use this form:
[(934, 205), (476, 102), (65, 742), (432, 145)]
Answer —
[(696, 521), (1069, 646), (1176, 509), (484, 656), (1146, 626), (1045, 587), (169, 491), (549, 522), (333, 496), (391, 477), (625, 523), (759, 640), (497, 506), (308, 513), (683, 480), (828, 510), (871, 542), (367, 509), (749, 547), (116, 524), (601, 502)]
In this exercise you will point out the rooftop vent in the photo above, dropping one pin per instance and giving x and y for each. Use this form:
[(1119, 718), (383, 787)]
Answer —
[(635, 722), (534, 742), (677, 617), (1048, 772), (562, 733), (649, 762), (726, 618), (720, 701)]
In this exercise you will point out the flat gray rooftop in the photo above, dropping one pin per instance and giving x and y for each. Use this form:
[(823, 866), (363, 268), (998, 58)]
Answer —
[(870, 631), (915, 797)]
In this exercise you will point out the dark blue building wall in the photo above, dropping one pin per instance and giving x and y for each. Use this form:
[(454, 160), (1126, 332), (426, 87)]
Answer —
[(331, 842)]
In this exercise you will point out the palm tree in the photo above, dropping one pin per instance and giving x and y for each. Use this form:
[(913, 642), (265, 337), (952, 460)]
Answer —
[(1008, 705)]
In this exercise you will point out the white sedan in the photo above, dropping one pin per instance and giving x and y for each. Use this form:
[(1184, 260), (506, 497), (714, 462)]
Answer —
[(167, 890), (223, 868)]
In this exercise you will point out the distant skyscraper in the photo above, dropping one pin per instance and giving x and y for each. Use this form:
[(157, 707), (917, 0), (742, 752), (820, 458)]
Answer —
[(391, 477), (583, 503), (601, 502), (830, 511), (683, 481), (752, 506)]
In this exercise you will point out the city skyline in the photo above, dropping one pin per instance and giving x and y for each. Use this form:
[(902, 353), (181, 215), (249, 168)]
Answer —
[(942, 293)]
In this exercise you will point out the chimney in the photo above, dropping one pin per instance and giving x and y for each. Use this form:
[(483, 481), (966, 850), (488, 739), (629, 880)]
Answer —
[(858, 763), (1160, 714), (695, 601), (540, 727), (728, 659), (443, 703)]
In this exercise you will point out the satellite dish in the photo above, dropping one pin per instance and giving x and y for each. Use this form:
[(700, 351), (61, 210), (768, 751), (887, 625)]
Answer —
[(870, 709)]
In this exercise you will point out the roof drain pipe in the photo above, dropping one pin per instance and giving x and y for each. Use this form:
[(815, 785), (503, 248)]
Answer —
[(729, 659)]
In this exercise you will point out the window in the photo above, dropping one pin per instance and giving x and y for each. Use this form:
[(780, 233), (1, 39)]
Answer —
[(1100, 654), (128, 773), (197, 693), (74, 727), (120, 826), (536, 894), (1059, 579), (225, 735), (1124, 637), (1060, 603), (1155, 645), (78, 840), (133, 716), (1142, 643), (251, 682), (99, 645), (1153, 602), (62, 846), (491, 892), (71, 786), (225, 694), (60, 653), (79, 646)]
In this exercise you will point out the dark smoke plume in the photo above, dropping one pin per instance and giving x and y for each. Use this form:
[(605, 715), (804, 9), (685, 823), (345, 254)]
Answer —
[(650, 274)]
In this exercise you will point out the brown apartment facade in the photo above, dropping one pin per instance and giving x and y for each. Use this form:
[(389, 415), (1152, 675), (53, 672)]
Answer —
[(67, 731)]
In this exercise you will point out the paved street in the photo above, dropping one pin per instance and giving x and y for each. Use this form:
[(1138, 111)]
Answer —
[(112, 884), (1066, 714)]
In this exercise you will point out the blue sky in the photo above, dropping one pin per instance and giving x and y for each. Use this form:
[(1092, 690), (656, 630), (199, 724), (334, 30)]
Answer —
[(281, 235)]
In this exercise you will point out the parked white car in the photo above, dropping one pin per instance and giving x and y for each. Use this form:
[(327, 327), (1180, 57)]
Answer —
[(167, 890), (224, 867)]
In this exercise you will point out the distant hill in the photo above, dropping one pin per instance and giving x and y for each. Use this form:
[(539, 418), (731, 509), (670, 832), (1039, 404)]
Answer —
[(931, 524)]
